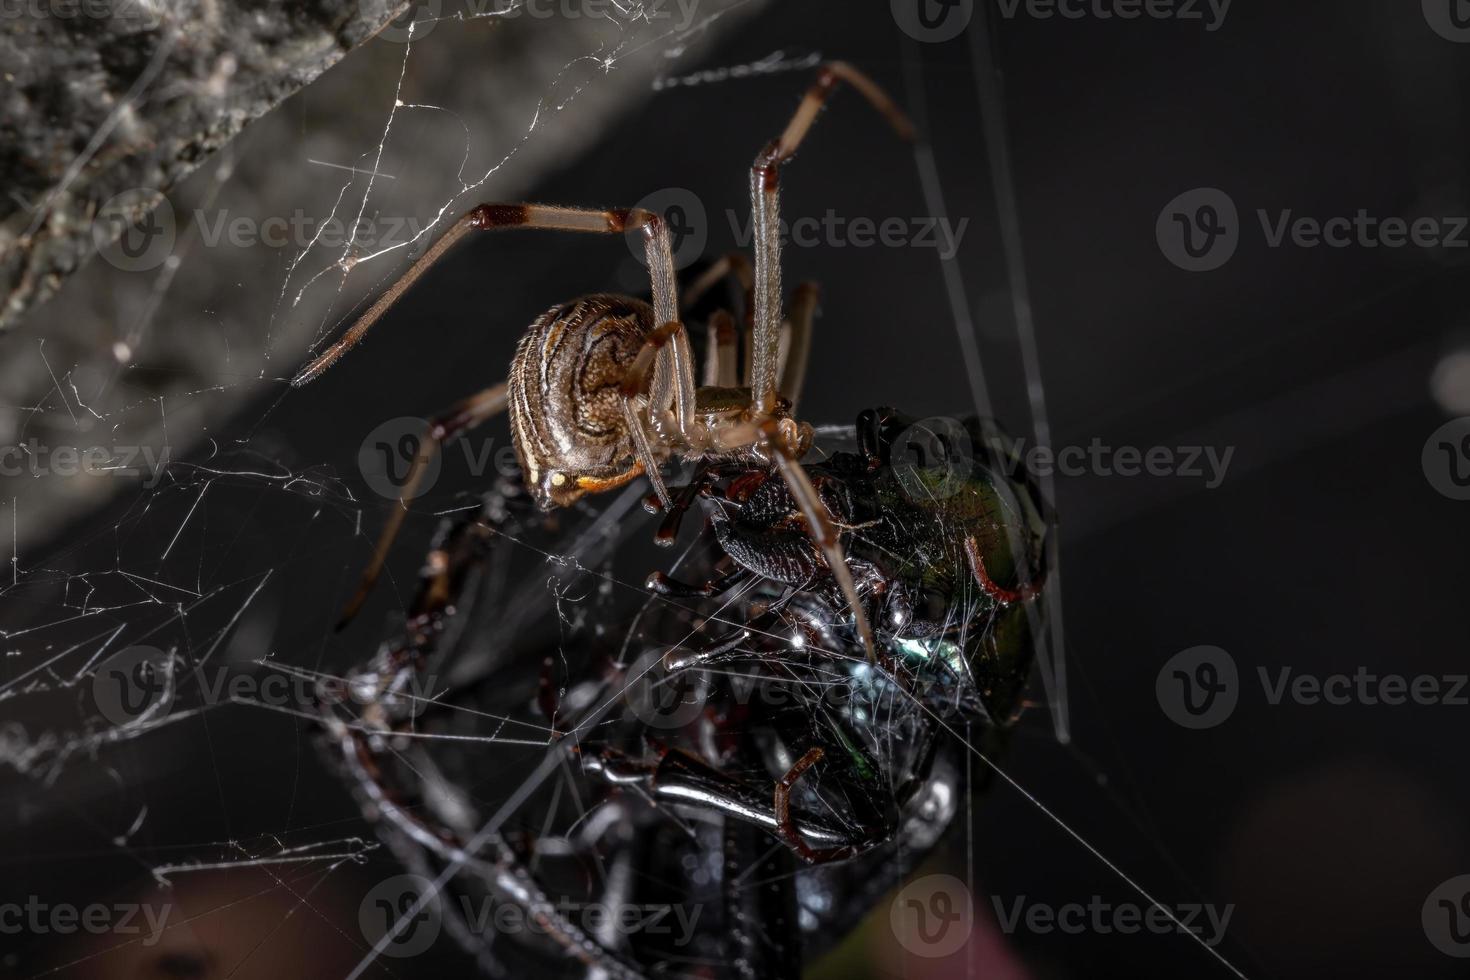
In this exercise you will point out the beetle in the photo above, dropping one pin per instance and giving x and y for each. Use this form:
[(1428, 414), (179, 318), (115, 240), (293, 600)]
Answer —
[(853, 788)]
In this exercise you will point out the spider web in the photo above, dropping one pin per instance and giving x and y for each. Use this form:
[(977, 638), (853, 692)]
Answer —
[(230, 529)]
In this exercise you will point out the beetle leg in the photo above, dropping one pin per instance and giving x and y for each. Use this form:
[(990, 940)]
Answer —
[(679, 777), (786, 826), (674, 589)]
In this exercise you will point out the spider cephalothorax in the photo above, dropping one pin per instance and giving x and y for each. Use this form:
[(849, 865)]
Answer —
[(603, 389)]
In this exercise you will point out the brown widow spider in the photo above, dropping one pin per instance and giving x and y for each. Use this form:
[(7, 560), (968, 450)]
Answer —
[(602, 389)]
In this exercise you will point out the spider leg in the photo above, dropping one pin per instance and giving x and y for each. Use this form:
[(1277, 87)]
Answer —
[(464, 416), (823, 533), (660, 396), (669, 529), (793, 366), (765, 199), (732, 264), (491, 217), (672, 588), (721, 360), (667, 355), (645, 452)]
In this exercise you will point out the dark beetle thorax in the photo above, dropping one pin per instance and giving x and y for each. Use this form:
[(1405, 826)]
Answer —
[(565, 393)]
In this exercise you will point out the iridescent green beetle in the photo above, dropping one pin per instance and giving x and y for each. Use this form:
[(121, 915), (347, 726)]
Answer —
[(946, 537)]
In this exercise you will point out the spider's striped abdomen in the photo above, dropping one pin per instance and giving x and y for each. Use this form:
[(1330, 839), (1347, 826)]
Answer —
[(566, 412)]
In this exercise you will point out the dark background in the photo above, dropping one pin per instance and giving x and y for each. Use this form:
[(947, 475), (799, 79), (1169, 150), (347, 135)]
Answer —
[(1325, 549)]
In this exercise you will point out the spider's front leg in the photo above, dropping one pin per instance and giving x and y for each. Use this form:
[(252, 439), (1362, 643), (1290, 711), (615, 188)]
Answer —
[(819, 525)]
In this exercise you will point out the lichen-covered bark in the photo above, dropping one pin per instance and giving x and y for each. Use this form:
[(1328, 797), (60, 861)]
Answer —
[(159, 353), (103, 96)]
